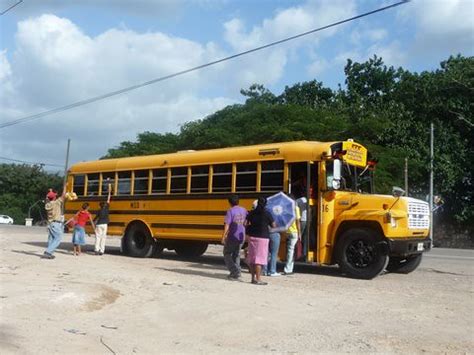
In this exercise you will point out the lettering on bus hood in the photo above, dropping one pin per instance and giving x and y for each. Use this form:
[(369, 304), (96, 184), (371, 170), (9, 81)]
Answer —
[(356, 154)]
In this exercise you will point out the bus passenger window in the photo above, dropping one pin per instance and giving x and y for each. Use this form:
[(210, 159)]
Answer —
[(92, 184), (124, 178), (272, 176), (140, 185), (222, 178), (79, 184), (179, 178), (158, 185), (246, 179), (199, 178), (105, 182)]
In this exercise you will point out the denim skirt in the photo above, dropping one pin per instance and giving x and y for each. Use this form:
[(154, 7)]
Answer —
[(79, 236)]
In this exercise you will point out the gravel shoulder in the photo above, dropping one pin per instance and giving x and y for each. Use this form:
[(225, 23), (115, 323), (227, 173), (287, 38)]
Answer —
[(115, 304)]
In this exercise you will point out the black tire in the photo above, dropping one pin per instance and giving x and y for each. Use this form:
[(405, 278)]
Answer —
[(361, 253), (137, 241), (191, 249), (404, 265)]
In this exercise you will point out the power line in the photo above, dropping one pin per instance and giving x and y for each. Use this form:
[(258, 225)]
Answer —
[(166, 77), (11, 7), (31, 163)]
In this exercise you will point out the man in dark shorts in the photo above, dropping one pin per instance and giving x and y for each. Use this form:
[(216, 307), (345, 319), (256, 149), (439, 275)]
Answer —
[(233, 237)]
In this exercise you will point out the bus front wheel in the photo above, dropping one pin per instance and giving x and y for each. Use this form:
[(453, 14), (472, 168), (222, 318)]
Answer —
[(360, 254), (191, 249), (404, 265), (137, 241)]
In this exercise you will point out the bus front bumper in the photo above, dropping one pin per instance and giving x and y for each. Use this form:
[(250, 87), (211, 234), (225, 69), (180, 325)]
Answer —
[(408, 246)]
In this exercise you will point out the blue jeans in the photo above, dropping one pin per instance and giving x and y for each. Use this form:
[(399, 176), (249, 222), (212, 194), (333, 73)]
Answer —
[(55, 234), (274, 246)]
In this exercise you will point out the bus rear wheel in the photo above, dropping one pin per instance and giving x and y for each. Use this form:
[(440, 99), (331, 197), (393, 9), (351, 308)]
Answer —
[(191, 249), (359, 254), (404, 265), (137, 241)]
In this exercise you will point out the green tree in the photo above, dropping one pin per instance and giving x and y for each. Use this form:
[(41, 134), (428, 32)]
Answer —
[(21, 186)]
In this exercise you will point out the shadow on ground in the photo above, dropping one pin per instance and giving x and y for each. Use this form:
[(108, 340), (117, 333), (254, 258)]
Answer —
[(205, 262)]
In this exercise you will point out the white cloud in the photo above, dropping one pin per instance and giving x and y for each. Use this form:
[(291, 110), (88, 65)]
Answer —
[(442, 26), (269, 64), (55, 62), (317, 67)]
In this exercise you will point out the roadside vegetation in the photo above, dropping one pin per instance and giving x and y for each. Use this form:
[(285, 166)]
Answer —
[(387, 109), (23, 185)]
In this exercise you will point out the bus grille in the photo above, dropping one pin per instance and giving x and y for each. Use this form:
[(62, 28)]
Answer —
[(418, 215)]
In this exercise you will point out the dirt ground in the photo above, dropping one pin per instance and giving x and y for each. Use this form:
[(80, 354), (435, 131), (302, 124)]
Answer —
[(115, 304)]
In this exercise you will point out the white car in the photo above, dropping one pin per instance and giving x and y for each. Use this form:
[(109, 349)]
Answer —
[(5, 219)]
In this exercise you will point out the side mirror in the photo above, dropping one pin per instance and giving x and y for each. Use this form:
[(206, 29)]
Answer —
[(397, 191), (336, 179)]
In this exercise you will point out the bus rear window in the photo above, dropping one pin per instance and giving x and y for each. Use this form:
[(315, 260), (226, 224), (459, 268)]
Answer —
[(105, 182), (92, 184), (199, 178), (179, 178), (124, 184), (272, 176), (79, 184), (158, 184), (140, 185), (222, 178), (246, 179)]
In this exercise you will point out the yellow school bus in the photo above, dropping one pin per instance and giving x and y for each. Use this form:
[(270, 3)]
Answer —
[(178, 201)]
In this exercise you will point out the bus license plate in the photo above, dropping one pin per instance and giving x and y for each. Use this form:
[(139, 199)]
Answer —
[(420, 247)]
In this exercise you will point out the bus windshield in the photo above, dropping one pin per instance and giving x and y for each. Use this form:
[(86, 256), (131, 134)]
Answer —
[(352, 178)]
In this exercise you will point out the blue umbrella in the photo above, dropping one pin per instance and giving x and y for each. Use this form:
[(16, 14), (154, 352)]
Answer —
[(282, 208)]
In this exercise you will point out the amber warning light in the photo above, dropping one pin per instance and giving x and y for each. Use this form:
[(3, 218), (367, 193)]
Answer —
[(339, 154), (372, 164)]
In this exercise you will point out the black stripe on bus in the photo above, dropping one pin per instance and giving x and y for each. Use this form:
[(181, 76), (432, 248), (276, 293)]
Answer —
[(116, 224), (188, 226), (205, 196), (161, 212)]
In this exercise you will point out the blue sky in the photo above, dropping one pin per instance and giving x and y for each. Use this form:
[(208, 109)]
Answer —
[(53, 53)]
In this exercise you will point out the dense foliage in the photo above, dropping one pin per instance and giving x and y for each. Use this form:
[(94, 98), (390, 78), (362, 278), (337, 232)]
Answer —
[(23, 185), (387, 109)]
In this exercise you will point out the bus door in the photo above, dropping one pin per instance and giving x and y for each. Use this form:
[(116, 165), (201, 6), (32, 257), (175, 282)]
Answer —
[(298, 175)]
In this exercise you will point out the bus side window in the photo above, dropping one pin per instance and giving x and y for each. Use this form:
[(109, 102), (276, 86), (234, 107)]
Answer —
[(158, 185), (272, 176), (179, 178), (140, 184), (124, 183), (105, 182), (92, 184), (79, 184), (246, 180), (199, 178), (222, 178)]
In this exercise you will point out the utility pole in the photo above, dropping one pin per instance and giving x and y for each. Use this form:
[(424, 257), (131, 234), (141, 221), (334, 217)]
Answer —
[(65, 167), (431, 180), (406, 176)]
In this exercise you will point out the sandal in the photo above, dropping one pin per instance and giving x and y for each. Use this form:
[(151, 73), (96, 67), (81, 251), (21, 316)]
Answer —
[(262, 283)]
